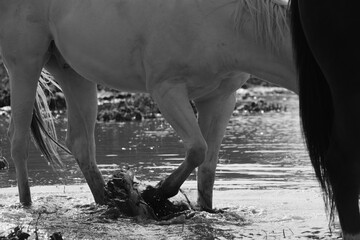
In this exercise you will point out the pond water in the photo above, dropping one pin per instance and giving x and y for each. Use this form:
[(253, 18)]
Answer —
[(262, 155), (258, 151)]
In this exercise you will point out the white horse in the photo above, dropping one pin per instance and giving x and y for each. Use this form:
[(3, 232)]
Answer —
[(176, 50)]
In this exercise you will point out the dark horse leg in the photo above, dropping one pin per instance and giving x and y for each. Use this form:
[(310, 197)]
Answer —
[(330, 30), (344, 177)]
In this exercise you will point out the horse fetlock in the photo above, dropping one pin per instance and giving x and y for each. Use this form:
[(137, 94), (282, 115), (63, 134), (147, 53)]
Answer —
[(204, 199), (25, 195)]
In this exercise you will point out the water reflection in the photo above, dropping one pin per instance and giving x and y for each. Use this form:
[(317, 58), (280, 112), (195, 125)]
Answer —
[(258, 151)]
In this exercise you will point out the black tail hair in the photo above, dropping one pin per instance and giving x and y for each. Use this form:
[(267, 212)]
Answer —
[(316, 107)]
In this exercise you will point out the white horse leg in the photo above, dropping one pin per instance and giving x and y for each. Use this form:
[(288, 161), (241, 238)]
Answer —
[(214, 112), (174, 105), (22, 101), (24, 65), (81, 100), (213, 117)]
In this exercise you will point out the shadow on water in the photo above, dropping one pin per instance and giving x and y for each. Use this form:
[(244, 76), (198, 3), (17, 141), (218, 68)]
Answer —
[(262, 156)]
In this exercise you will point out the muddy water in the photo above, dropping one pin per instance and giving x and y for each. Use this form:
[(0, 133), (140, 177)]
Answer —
[(264, 178)]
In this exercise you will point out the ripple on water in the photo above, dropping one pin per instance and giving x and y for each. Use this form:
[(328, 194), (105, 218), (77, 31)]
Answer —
[(263, 163)]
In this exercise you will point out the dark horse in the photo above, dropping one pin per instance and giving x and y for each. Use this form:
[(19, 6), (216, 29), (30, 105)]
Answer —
[(327, 57)]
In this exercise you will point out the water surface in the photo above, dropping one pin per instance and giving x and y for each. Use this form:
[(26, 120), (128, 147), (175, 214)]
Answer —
[(258, 151), (262, 159)]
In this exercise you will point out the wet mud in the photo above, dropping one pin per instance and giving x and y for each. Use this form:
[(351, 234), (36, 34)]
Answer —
[(125, 195), (247, 214)]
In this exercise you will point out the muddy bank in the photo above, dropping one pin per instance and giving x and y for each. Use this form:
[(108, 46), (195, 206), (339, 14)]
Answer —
[(124, 107), (249, 214), (114, 106), (120, 106)]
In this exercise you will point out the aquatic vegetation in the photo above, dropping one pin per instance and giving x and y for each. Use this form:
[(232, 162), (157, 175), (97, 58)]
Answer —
[(260, 106), (16, 234), (124, 107), (126, 195), (4, 164)]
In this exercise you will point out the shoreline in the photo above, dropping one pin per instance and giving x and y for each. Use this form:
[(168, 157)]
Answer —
[(125, 107), (275, 213)]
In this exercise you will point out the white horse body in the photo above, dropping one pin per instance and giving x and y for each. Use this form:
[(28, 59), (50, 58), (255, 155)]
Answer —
[(135, 45), (174, 49)]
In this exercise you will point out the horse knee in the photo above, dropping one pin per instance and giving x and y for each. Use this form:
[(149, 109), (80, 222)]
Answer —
[(19, 147), (81, 146), (77, 144), (196, 154)]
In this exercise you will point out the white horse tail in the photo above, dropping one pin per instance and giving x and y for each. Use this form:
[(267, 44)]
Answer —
[(42, 124)]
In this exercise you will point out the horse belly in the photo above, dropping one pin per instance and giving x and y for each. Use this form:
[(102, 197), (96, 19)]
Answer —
[(101, 48)]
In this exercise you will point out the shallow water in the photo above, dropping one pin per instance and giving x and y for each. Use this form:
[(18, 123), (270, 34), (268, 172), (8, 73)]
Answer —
[(262, 155), (265, 149)]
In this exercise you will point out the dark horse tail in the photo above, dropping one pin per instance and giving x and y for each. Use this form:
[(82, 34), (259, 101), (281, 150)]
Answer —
[(316, 108), (42, 125)]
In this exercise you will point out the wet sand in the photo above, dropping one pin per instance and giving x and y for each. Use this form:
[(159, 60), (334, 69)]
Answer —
[(251, 214)]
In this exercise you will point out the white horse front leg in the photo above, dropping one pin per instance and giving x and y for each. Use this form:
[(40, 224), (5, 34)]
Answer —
[(174, 105), (214, 114)]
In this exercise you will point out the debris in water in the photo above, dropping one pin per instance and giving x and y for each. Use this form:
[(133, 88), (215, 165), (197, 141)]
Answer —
[(4, 164), (163, 208), (56, 236), (16, 234), (126, 196)]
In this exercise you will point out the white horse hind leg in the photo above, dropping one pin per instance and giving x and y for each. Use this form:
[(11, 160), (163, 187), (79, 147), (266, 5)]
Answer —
[(81, 100)]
